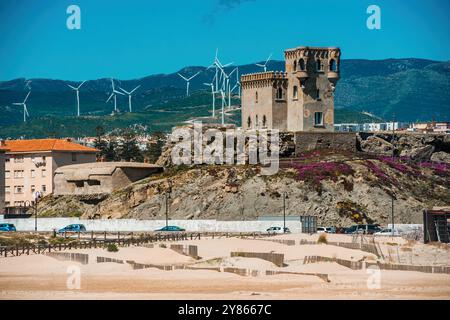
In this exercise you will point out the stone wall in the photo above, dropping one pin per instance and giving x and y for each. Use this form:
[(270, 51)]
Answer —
[(306, 141)]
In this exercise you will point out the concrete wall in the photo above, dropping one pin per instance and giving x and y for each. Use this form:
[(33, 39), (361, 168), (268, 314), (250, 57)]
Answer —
[(48, 224)]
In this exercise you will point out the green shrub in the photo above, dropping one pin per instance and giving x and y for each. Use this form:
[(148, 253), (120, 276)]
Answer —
[(112, 247), (162, 245)]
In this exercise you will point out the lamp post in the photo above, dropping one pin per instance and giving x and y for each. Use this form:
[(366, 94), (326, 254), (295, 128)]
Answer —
[(393, 158), (168, 192), (37, 196), (284, 210)]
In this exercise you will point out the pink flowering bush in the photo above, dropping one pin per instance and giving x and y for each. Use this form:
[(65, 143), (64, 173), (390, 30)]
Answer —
[(379, 173), (441, 169)]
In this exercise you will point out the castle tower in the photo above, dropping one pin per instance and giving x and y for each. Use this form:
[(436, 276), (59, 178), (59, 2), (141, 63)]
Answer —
[(301, 99)]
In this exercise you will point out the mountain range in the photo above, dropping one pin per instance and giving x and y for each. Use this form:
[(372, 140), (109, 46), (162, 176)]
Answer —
[(369, 90)]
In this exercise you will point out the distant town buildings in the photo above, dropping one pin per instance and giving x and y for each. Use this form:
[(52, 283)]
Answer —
[(430, 127), (425, 127), (2, 177), (30, 165), (300, 99)]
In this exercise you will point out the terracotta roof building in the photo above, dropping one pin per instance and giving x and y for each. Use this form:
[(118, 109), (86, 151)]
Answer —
[(31, 164)]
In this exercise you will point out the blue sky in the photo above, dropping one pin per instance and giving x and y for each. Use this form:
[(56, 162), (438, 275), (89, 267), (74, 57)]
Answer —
[(133, 38)]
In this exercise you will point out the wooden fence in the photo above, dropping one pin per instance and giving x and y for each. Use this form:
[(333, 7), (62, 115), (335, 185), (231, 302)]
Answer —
[(360, 265), (275, 258), (70, 256), (187, 250), (27, 249)]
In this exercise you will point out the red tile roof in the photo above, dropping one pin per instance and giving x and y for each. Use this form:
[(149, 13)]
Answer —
[(45, 145)]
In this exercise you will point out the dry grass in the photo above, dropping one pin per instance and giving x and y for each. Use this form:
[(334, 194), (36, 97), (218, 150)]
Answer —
[(322, 239)]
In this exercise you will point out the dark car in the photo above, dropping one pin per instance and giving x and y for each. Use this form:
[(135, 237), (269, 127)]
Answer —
[(7, 227), (73, 228), (171, 228), (363, 229)]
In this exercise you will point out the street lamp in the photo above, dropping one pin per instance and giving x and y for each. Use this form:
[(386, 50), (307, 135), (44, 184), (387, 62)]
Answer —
[(285, 196), (393, 158), (167, 194), (37, 196)]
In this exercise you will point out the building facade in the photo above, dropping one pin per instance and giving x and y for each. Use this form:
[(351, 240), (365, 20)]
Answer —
[(299, 99), (31, 164), (100, 177), (2, 178)]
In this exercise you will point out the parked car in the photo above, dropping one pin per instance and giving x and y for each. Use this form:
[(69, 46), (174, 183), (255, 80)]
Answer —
[(278, 230), (387, 232), (331, 230), (321, 230), (73, 228), (171, 229), (7, 227), (363, 228)]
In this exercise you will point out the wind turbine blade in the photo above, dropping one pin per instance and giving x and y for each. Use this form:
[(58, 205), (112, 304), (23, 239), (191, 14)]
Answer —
[(125, 90), (260, 65), (81, 84), (26, 110), (72, 87), (110, 97), (112, 83), (17, 103), (269, 58), (183, 77), (227, 65), (115, 91), (135, 89), (27, 97)]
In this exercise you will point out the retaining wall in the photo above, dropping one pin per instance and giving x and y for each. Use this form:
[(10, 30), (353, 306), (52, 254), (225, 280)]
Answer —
[(134, 225)]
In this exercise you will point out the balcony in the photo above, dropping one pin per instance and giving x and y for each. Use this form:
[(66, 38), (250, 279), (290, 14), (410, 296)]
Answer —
[(301, 74)]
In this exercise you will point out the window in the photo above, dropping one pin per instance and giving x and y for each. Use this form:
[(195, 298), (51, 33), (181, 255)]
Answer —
[(256, 97), (279, 93), (18, 203), (264, 121), (44, 173), (295, 65), (302, 65), (18, 174), (303, 83), (318, 119), (33, 188), (333, 66), (7, 189), (318, 94), (33, 174), (18, 189), (93, 182), (7, 159), (44, 158), (7, 174), (7, 203), (74, 157), (249, 122), (18, 159), (256, 122), (319, 65), (44, 188), (295, 93)]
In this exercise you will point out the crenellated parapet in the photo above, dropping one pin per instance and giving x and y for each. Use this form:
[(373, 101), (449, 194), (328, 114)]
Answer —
[(263, 79)]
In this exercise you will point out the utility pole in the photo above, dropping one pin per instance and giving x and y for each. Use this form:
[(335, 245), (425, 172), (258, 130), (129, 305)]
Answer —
[(168, 192), (393, 158), (37, 196), (284, 211)]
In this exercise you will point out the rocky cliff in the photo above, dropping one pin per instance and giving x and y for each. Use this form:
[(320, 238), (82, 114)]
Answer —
[(339, 189)]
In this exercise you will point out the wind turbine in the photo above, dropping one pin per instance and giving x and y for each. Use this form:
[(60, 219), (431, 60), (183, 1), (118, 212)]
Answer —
[(114, 94), (213, 96), (24, 104), (78, 96), (238, 83), (27, 84), (265, 63), (129, 95), (188, 80)]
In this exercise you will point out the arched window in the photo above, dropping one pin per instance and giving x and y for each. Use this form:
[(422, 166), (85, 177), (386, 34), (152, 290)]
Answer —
[(279, 93), (333, 66), (256, 97), (302, 65), (264, 121), (295, 65), (249, 122), (295, 93), (319, 65), (256, 122)]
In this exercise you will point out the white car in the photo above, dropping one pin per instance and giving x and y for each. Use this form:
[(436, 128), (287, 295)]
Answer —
[(322, 230), (278, 230), (387, 232)]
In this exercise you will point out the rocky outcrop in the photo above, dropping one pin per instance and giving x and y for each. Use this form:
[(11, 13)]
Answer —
[(441, 157), (419, 154), (235, 193)]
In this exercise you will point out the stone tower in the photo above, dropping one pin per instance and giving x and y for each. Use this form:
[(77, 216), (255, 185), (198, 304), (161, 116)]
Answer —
[(301, 99)]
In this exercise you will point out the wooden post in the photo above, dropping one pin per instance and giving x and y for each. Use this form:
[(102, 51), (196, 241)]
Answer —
[(105, 236), (92, 235), (78, 234)]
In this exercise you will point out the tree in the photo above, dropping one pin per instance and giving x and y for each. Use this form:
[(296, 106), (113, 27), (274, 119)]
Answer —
[(129, 149), (100, 143), (154, 147)]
